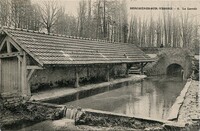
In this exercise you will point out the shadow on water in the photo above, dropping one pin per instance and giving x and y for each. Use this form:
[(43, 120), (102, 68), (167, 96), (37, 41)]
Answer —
[(151, 97), (19, 125), (86, 93), (31, 126)]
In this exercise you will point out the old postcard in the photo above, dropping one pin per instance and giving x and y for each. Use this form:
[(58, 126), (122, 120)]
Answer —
[(99, 65)]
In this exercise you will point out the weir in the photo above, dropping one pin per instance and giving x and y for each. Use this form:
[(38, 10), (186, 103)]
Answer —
[(71, 113), (83, 116)]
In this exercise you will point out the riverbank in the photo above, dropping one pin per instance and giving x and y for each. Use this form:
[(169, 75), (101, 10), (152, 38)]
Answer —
[(190, 109), (17, 114), (99, 122), (7, 117)]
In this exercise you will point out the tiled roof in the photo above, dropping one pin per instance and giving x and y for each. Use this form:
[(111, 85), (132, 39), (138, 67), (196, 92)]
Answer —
[(58, 49)]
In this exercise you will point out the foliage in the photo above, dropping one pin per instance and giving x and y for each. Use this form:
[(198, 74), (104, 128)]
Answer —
[(106, 19), (49, 13), (103, 19), (168, 30), (19, 14), (100, 19)]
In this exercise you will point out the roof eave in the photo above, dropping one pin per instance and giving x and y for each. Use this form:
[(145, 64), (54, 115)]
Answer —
[(23, 47), (89, 63)]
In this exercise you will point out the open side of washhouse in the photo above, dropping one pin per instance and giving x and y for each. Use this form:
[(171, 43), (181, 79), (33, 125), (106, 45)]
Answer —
[(30, 60)]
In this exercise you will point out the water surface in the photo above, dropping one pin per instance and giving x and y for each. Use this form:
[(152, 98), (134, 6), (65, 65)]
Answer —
[(151, 97)]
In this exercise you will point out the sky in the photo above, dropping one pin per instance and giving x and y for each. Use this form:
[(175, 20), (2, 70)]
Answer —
[(177, 7), (71, 7)]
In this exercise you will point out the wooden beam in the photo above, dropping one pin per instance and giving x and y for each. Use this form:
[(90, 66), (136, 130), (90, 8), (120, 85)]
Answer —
[(108, 73), (23, 75), (3, 37), (8, 47), (142, 72), (6, 55), (25, 88), (33, 67), (14, 44), (20, 58), (144, 64), (76, 77), (24, 48), (19, 72), (3, 43), (30, 74)]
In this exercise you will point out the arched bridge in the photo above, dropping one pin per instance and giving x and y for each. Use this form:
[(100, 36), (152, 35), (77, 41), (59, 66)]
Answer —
[(170, 61)]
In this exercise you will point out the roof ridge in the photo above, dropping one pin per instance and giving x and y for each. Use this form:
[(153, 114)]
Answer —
[(46, 49), (54, 34)]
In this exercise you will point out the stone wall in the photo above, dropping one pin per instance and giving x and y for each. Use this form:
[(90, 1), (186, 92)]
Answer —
[(10, 100), (43, 111), (166, 57), (36, 112), (108, 119), (65, 76)]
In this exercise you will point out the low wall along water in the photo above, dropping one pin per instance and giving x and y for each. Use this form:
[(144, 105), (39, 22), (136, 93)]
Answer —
[(45, 111)]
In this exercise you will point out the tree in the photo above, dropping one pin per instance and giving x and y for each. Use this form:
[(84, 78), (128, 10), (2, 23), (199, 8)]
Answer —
[(159, 32), (134, 31), (20, 13), (66, 25), (187, 29), (34, 17), (97, 18), (5, 13), (82, 18), (124, 18), (49, 13), (89, 20)]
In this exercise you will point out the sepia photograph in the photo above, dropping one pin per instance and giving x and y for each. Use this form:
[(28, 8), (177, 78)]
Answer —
[(108, 65)]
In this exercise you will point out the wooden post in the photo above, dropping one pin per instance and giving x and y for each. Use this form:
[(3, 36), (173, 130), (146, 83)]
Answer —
[(127, 70), (19, 74), (128, 66), (8, 47), (142, 72), (108, 73), (25, 88), (23, 75), (76, 77)]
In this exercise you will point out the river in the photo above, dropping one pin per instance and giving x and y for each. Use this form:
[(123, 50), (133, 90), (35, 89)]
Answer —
[(151, 97)]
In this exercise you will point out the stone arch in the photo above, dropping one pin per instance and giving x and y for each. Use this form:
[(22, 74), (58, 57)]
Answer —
[(168, 56), (174, 69)]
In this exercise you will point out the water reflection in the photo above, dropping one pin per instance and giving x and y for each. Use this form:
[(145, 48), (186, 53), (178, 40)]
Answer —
[(151, 97)]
